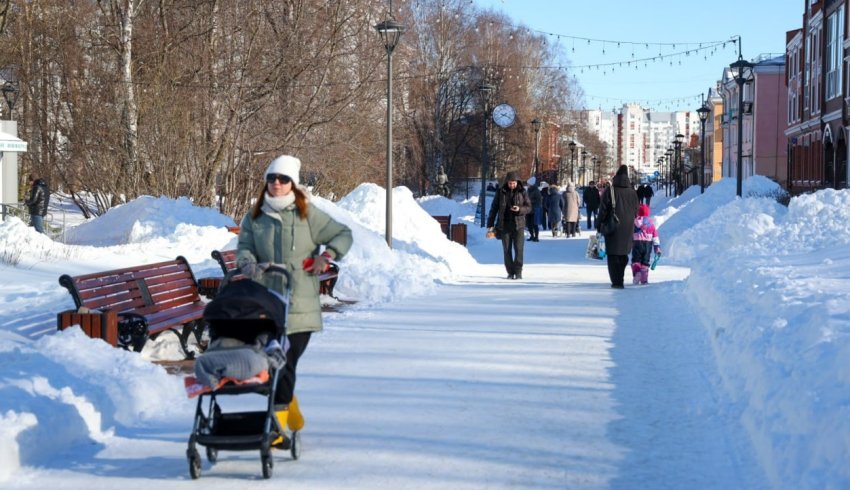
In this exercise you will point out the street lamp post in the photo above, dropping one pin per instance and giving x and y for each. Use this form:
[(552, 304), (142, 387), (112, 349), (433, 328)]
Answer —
[(10, 93), (583, 158), (535, 123), (669, 155), (390, 32), (572, 154), (742, 72), (703, 117), (679, 164), (485, 89)]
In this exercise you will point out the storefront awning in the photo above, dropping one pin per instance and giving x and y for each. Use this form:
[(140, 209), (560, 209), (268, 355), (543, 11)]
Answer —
[(9, 142)]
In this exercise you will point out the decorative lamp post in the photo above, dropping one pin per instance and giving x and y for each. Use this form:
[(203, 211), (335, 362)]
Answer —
[(742, 72), (10, 93), (485, 89), (390, 32), (535, 123), (679, 164), (703, 117), (583, 160), (669, 155), (572, 154)]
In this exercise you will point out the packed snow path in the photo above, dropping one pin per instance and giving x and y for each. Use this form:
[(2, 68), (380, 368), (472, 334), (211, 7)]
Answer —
[(552, 382)]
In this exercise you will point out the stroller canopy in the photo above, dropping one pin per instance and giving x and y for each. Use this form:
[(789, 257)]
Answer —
[(244, 309)]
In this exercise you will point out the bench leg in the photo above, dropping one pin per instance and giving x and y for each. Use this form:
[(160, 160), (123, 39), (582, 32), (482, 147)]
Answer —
[(132, 333), (195, 328)]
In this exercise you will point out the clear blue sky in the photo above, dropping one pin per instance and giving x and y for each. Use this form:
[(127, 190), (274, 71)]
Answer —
[(762, 25)]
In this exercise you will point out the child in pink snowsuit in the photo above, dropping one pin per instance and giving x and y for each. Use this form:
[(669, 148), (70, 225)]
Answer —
[(645, 240)]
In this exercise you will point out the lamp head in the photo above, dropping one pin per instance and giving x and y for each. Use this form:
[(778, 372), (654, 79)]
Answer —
[(742, 70), (680, 138), (390, 32), (702, 112), (535, 123), (10, 93)]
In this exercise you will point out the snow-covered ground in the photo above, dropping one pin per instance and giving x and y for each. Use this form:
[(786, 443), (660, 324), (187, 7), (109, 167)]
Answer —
[(730, 370)]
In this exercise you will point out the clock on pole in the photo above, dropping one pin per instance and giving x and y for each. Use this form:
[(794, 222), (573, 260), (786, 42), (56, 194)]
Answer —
[(504, 115)]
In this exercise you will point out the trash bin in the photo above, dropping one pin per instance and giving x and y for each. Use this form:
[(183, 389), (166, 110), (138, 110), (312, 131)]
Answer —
[(459, 233)]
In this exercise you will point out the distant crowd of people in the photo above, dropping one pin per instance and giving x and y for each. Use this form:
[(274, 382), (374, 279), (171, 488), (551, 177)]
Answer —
[(518, 207)]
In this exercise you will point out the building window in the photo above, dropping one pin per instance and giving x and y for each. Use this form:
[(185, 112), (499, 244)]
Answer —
[(834, 52)]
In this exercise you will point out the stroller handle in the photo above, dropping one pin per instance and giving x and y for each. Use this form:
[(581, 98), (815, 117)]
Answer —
[(272, 268)]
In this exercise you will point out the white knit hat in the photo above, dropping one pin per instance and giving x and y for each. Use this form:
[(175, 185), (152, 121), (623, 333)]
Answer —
[(285, 165)]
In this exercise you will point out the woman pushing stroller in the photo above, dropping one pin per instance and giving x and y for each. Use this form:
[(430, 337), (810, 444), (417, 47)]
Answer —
[(284, 227)]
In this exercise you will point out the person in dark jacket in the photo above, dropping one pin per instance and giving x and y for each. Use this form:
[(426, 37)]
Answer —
[(590, 198), (37, 202), (535, 217), (507, 216), (618, 245)]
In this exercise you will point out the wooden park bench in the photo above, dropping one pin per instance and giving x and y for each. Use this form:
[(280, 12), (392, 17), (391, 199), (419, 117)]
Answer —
[(127, 306), (445, 224), (226, 259), (454, 232)]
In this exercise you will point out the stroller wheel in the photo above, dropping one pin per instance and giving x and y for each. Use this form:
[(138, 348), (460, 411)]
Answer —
[(268, 464), (194, 464), (295, 448), (212, 455)]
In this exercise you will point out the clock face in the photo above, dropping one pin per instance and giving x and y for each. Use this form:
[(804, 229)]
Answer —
[(504, 115)]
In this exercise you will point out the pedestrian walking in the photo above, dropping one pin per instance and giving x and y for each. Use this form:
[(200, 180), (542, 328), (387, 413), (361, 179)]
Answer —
[(555, 209), (590, 198), (544, 192), (535, 217), (571, 210), (37, 202), (284, 227), (645, 242), (620, 199), (507, 219)]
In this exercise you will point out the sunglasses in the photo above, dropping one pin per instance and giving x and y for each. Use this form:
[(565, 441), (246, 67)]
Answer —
[(283, 179)]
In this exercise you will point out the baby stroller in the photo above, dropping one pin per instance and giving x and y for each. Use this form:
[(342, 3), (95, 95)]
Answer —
[(243, 310)]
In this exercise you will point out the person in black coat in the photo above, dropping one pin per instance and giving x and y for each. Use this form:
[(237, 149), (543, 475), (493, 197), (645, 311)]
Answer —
[(590, 198), (536, 215), (618, 245), (37, 202), (507, 218)]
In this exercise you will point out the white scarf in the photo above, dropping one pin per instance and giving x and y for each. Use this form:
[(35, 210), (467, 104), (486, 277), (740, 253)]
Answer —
[(278, 204)]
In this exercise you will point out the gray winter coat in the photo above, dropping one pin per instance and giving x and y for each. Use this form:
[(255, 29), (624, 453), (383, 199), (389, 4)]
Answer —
[(571, 203), (626, 204), (284, 238)]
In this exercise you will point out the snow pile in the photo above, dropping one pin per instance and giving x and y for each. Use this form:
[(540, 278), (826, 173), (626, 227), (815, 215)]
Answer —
[(773, 285)]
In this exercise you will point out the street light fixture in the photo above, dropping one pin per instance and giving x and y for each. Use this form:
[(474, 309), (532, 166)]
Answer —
[(10, 93), (669, 155), (742, 72), (390, 32), (702, 112), (535, 123), (485, 89)]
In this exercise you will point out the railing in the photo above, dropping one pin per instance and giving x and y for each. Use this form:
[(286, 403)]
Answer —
[(18, 210), (15, 209)]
